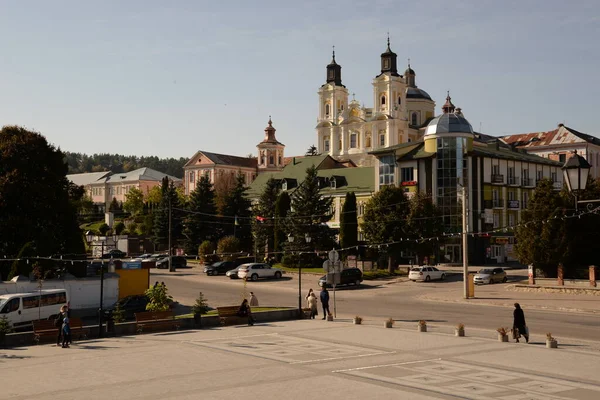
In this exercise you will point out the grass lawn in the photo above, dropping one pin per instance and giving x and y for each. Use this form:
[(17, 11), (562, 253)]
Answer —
[(382, 273), (214, 312), (307, 270)]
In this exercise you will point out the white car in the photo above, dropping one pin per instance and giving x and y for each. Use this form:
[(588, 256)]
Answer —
[(426, 274), (253, 271)]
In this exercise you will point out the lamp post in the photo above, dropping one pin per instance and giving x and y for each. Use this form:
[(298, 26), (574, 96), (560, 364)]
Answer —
[(308, 239), (576, 171), (90, 238)]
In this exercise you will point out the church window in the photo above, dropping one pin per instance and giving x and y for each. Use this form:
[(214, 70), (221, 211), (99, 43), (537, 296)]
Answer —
[(327, 109), (340, 144), (368, 140), (383, 100), (326, 145), (342, 107), (413, 118), (399, 100), (271, 160), (279, 162), (192, 177), (382, 140), (353, 140)]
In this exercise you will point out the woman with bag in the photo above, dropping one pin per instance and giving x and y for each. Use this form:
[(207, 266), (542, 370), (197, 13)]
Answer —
[(519, 325), (311, 299)]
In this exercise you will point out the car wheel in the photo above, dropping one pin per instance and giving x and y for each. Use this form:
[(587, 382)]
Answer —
[(254, 277), (427, 278), (443, 277), (491, 281), (414, 280), (277, 275), (357, 283)]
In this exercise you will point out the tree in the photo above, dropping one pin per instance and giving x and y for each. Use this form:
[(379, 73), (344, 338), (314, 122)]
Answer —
[(158, 298), (263, 226), (282, 208), (228, 246), (201, 305), (153, 196), (312, 151), (119, 227), (238, 208), (36, 204), (224, 184), (23, 266), (134, 202), (200, 222), (114, 205), (384, 220), (423, 224), (541, 236), (103, 229), (349, 222), (169, 204), (309, 215)]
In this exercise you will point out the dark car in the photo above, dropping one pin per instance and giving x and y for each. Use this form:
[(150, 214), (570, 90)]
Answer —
[(114, 253), (129, 305), (349, 276), (219, 268), (177, 261)]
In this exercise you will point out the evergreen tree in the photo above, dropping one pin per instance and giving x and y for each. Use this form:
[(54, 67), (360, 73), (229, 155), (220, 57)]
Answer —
[(169, 201), (541, 236), (114, 206), (384, 220), (309, 214), (200, 222), (312, 151), (264, 216), (424, 222), (237, 206), (282, 208), (349, 222)]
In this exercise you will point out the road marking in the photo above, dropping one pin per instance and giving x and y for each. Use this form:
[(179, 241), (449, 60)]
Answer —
[(342, 358), (235, 337), (387, 365)]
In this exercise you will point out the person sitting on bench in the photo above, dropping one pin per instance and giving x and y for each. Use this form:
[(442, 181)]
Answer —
[(245, 311)]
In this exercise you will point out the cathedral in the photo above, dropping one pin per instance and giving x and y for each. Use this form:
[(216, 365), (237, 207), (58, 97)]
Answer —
[(347, 130)]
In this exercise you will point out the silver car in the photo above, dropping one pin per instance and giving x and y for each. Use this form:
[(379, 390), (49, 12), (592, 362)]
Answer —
[(490, 275)]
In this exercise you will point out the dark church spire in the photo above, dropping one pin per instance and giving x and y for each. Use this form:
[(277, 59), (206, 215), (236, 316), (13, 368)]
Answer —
[(389, 60), (334, 71)]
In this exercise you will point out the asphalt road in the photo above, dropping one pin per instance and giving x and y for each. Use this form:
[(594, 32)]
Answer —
[(378, 299)]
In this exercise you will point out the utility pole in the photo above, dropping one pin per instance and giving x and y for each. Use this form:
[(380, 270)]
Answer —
[(171, 269), (101, 313), (465, 246)]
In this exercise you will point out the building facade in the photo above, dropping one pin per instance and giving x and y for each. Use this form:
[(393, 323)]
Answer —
[(499, 179), (348, 130)]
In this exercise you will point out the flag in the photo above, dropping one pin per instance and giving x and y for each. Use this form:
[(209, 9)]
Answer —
[(260, 219)]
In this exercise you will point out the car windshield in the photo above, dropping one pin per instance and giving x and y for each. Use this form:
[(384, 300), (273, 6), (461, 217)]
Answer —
[(485, 271), (2, 302), (416, 269)]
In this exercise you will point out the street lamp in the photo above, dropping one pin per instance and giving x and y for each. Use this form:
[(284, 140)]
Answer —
[(308, 239), (90, 238), (576, 171)]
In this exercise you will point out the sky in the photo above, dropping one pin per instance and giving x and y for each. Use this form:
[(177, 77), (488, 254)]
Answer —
[(143, 77)]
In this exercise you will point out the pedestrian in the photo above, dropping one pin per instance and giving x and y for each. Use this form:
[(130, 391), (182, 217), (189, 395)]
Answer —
[(325, 302), (312, 304), (253, 300), (245, 311), (66, 327), (58, 323), (310, 291), (519, 325)]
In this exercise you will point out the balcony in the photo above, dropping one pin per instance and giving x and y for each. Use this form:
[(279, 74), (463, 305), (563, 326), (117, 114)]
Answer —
[(528, 182), (513, 204), (513, 180), (497, 178)]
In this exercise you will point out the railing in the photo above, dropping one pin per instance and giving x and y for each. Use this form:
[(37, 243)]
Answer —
[(513, 180), (528, 182), (497, 178)]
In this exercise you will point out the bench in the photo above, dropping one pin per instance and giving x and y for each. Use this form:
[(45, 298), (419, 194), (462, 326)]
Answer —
[(46, 328), (155, 319), (229, 314)]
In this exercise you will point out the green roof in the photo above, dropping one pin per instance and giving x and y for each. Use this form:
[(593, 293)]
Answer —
[(404, 147), (512, 155), (357, 180)]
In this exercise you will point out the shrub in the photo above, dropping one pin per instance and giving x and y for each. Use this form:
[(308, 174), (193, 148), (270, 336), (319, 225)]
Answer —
[(119, 227), (289, 260), (118, 315), (4, 327), (132, 228), (201, 305), (205, 249), (103, 229), (227, 247), (158, 297)]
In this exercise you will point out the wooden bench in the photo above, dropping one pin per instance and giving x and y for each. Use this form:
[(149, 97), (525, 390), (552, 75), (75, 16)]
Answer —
[(229, 314), (46, 328), (155, 319)]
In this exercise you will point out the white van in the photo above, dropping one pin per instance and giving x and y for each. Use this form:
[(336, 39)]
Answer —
[(22, 308)]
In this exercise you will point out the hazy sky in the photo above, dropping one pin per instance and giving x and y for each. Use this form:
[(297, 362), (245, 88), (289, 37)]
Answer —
[(168, 78)]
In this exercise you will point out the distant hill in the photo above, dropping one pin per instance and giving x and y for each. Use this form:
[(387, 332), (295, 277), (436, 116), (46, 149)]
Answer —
[(80, 163)]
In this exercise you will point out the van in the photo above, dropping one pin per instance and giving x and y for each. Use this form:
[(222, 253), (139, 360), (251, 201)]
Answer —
[(22, 308)]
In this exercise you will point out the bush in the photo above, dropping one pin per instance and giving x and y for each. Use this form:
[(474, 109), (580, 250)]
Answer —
[(228, 247), (289, 260), (205, 249), (201, 305), (132, 228), (119, 227), (103, 229), (308, 260), (159, 298)]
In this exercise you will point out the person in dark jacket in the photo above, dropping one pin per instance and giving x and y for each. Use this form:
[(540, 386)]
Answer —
[(58, 322), (245, 311), (519, 325), (325, 302)]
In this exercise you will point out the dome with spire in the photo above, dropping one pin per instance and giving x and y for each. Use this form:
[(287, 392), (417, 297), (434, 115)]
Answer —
[(450, 122), (334, 71), (389, 61), (270, 133)]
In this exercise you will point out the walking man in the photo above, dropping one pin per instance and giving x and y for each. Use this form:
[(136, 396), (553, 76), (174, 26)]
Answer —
[(325, 302)]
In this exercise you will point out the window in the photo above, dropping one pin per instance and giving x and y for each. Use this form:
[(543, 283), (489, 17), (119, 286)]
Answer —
[(279, 160), (496, 220), (562, 158), (332, 183), (368, 140), (386, 170), (525, 199), (30, 302), (271, 160), (353, 140), (407, 174), (383, 100), (361, 208), (399, 100), (382, 140), (11, 306), (414, 119), (540, 175), (511, 219), (494, 195), (192, 176), (326, 144), (495, 169), (553, 176), (511, 195), (327, 108)]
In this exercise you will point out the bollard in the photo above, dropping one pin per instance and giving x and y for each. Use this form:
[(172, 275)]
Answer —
[(592, 275)]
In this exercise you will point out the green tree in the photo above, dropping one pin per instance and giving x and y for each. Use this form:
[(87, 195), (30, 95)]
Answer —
[(423, 224), (36, 203), (103, 229), (309, 215), (23, 266), (384, 220), (119, 227), (154, 196), (169, 204), (282, 208), (206, 251), (312, 151), (200, 222), (114, 206), (159, 298), (349, 222), (134, 202), (132, 228), (263, 226), (201, 305), (541, 236), (238, 208), (228, 246)]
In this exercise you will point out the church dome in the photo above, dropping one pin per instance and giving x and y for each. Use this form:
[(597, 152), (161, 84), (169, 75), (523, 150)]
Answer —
[(416, 93), (409, 71), (448, 123)]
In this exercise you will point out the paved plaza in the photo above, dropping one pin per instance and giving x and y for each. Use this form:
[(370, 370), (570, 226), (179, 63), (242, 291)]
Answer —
[(296, 359)]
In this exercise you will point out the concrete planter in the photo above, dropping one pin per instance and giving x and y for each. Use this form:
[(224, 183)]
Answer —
[(502, 338), (551, 344), (330, 318), (388, 324), (422, 328), (357, 321), (459, 332)]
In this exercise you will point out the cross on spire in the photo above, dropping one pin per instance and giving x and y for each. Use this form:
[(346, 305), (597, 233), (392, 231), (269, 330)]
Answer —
[(388, 39), (353, 97)]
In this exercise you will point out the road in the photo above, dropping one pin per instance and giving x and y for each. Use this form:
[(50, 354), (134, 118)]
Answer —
[(380, 300)]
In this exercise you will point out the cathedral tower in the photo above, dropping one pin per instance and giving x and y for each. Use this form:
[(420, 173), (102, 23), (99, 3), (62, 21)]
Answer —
[(270, 151)]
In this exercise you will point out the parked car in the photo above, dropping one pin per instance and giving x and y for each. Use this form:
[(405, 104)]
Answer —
[(348, 276), (114, 253), (176, 261), (129, 305), (219, 268), (426, 274), (233, 273), (490, 275), (254, 271)]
